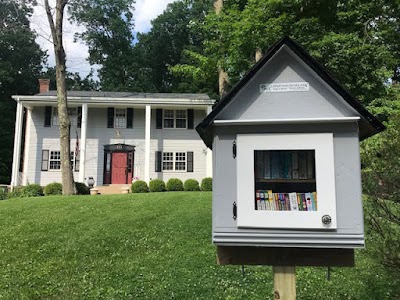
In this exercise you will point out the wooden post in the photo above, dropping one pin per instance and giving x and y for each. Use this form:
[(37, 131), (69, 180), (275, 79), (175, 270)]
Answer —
[(284, 282)]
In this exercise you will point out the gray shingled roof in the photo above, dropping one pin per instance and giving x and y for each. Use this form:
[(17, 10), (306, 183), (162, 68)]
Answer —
[(129, 95)]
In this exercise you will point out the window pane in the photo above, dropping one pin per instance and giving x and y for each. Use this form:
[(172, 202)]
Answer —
[(168, 123), (168, 113), (180, 161), (168, 164), (120, 118), (55, 116), (180, 123)]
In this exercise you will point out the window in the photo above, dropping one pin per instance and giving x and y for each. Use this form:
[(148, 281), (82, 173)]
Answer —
[(120, 118), (174, 161), (287, 180), (55, 160), (51, 160), (72, 113), (175, 118)]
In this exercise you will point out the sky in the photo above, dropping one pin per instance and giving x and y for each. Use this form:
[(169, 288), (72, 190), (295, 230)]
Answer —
[(77, 52)]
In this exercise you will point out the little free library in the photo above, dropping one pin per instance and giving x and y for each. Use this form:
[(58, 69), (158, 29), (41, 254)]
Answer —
[(286, 164)]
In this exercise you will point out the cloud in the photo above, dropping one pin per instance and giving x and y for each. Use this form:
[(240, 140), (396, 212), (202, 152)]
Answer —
[(147, 10), (77, 52)]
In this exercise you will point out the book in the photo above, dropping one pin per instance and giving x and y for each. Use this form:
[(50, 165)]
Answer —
[(314, 195), (302, 165), (258, 200), (262, 200), (307, 196), (258, 164), (267, 164), (310, 164), (271, 200), (293, 201), (275, 165), (286, 164), (295, 165)]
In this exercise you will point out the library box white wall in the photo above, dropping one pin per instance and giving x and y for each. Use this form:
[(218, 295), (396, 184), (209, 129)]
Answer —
[(286, 162)]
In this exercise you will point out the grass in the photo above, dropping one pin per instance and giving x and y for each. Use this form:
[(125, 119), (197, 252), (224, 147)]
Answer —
[(146, 246)]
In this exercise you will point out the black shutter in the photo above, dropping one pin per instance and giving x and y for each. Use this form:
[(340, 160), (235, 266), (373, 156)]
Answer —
[(158, 161), (79, 117), (129, 118), (190, 114), (47, 116), (110, 117), (189, 167), (158, 118), (45, 160)]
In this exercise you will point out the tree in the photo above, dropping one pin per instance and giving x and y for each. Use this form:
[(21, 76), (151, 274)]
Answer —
[(108, 34), (20, 65), (56, 27), (381, 181), (73, 81), (357, 40)]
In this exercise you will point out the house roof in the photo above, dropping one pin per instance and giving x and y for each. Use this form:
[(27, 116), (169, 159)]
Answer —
[(369, 125), (97, 98)]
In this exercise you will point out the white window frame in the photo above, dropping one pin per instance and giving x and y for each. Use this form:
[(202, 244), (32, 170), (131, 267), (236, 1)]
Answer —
[(176, 159), (57, 153), (248, 217), (175, 117), (118, 117), (72, 113)]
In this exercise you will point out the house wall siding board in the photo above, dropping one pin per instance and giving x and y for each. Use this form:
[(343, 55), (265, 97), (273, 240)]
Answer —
[(349, 231), (98, 135), (319, 101)]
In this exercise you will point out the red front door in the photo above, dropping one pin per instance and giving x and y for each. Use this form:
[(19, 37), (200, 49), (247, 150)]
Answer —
[(119, 168)]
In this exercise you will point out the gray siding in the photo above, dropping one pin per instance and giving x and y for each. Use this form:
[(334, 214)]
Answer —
[(319, 101), (350, 231), (98, 135)]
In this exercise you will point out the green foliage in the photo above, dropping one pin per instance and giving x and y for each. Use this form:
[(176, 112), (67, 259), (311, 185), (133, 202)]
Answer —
[(140, 186), (32, 190), (157, 185), (108, 34), (3, 193), (148, 246), (20, 64), (191, 185), (174, 184), (206, 184), (82, 189), (381, 181), (54, 188)]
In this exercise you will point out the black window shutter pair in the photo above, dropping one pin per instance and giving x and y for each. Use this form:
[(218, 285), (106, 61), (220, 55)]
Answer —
[(110, 117), (189, 161), (159, 118), (48, 112)]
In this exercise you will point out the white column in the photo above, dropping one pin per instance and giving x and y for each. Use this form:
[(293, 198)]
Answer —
[(147, 145), (27, 151), (17, 144), (209, 153), (82, 144)]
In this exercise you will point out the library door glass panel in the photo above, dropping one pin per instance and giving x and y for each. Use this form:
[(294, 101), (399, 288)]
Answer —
[(285, 180)]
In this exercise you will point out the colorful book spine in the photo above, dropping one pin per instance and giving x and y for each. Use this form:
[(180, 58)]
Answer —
[(293, 201), (307, 196), (258, 200)]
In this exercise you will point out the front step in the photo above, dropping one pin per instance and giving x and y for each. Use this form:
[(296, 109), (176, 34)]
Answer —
[(113, 189)]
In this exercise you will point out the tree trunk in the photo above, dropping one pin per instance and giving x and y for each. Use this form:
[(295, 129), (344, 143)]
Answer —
[(68, 186), (258, 54), (222, 75)]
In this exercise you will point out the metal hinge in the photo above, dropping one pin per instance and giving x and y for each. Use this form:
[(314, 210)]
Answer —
[(234, 211), (234, 149)]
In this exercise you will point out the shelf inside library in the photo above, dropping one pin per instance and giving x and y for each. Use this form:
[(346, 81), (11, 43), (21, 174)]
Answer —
[(282, 180)]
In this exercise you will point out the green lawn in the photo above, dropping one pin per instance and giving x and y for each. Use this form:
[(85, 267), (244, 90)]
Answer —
[(145, 246)]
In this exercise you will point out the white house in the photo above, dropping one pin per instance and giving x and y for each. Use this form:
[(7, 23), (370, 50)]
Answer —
[(116, 137)]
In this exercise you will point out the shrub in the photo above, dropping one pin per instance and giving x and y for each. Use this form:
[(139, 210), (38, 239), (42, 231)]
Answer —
[(15, 193), (157, 185), (206, 184), (3, 193), (82, 189), (140, 186), (31, 190), (174, 184), (191, 185), (54, 188)]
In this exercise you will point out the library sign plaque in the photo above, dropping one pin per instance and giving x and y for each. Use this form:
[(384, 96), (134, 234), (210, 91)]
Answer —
[(286, 173), (284, 87)]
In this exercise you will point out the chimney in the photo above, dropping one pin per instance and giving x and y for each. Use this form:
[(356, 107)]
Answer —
[(44, 85)]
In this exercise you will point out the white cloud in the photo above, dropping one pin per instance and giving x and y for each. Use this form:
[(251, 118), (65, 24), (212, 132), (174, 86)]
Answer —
[(77, 53), (147, 10)]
